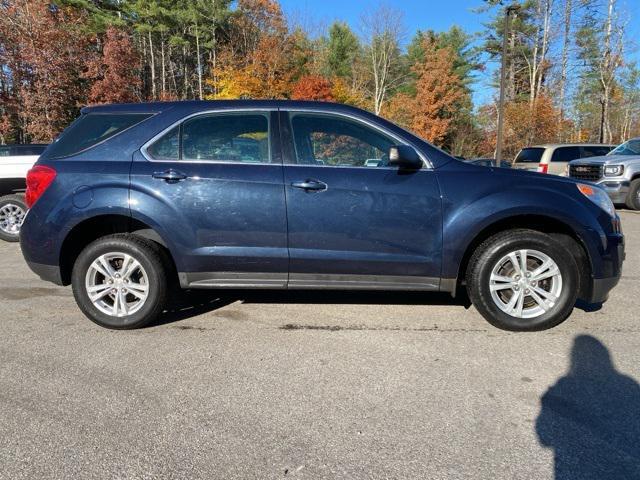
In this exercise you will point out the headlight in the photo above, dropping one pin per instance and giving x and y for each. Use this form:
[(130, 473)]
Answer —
[(597, 196), (613, 170)]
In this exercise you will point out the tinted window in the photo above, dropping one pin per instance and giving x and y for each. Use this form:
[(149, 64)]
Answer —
[(565, 154), (329, 140), (167, 147), (4, 151), (227, 138), (530, 155), (594, 151), (91, 129)]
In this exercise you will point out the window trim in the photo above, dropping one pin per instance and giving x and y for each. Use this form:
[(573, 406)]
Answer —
[(180, 122), (427, 165)]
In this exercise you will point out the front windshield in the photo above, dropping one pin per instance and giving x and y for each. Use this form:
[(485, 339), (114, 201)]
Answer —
[(632, 147)]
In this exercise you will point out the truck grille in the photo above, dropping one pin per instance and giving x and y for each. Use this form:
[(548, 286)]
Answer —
[(586, 172)]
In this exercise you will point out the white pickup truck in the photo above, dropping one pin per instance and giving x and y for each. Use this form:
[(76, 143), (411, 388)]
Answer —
[(15, 162)]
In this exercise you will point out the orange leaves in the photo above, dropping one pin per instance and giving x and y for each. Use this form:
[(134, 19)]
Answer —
[(115, 74), (313, 87), (438, 92)]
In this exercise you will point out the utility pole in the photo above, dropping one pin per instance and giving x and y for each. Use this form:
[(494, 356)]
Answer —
[(509, 11)]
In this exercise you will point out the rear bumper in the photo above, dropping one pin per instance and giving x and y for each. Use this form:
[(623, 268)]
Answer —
[(48, 273)]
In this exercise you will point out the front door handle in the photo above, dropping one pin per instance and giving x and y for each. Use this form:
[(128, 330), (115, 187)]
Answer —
[(170, 176), (310, 185)]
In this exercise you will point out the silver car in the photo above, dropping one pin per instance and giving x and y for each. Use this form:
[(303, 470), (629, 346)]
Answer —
[(618, 173)]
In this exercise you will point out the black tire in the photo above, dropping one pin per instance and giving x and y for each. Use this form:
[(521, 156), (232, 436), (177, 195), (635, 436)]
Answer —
[(17, 200), (489, 254), (633, 198), (152, 260)]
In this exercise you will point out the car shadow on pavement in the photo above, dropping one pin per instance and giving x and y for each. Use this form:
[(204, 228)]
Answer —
[(591, 418), (191, 303)]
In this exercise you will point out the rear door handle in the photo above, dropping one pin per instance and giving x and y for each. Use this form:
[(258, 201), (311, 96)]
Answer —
[(170, 176), (313, 185)]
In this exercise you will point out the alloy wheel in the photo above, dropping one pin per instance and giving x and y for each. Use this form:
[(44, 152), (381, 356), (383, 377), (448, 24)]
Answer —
[(525, 283)]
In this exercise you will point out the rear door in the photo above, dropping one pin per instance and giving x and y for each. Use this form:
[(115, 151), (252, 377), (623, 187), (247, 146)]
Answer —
[(214, 186), (354, 221)]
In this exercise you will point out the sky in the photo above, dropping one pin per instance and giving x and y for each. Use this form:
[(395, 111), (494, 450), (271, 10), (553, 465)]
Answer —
[(438, 15)]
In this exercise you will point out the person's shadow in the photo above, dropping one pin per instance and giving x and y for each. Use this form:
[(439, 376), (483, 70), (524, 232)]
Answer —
[(591, 418)]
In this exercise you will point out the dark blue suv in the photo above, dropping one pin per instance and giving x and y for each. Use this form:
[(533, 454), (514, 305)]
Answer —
[(133, 200)]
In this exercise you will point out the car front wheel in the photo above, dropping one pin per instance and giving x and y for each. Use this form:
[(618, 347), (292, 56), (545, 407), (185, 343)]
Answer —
[(119, 282), (523, 280)]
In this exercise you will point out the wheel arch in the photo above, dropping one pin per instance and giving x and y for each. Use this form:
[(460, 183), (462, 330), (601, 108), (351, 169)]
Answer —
[(559, 230), (99, 226)]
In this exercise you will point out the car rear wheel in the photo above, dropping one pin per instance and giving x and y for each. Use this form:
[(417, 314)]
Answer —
[(523, 280), (120, 281), (633, 199), (12, 212)]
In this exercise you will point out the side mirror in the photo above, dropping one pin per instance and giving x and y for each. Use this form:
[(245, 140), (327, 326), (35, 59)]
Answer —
[(404, 156)]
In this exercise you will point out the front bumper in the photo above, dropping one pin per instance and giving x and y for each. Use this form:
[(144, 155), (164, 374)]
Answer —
[(599, 288), (616, 189)]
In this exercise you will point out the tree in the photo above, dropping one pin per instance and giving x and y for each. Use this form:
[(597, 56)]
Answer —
[(383, 32), (313, 87), (43, 48), (115, 74), (343, 48)]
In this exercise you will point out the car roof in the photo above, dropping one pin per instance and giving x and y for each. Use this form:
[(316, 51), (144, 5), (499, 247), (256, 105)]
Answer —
[(555, 145), (157, 107)]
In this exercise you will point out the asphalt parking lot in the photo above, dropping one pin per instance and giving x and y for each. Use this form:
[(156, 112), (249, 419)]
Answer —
[(316, 385)]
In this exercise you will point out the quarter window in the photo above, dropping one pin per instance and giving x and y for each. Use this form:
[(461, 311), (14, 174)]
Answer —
[(334, 141)]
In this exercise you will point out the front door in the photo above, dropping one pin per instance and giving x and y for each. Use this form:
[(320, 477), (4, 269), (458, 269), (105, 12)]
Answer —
[(354, 221), (214, 184)]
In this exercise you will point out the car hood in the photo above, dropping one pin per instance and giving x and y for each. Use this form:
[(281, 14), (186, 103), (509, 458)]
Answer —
[(606, 160)]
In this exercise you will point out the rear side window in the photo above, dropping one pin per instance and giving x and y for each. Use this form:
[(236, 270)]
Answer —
[(530, 155), (5, 151), (595, 151), (565, 154), (224, 137), (91, 129)]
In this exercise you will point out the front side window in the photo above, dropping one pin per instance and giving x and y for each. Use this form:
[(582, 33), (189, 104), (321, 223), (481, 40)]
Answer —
[(91, 129), (334, 141), (565, 154)]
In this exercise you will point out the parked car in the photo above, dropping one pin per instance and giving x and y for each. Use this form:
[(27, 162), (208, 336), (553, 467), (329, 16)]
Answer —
[(15, 161), (554, 158), (618, 173), (134, 199), (488, 162)]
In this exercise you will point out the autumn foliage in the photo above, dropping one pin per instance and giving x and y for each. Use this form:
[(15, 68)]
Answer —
[(114, 74), (313, 87)]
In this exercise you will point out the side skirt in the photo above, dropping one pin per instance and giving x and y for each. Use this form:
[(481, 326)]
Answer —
[(306, 281)]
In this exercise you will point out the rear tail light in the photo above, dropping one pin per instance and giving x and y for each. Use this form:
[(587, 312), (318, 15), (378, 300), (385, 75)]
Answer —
[(543, 167), (38, 180)]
